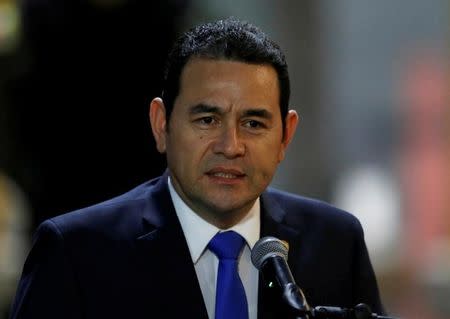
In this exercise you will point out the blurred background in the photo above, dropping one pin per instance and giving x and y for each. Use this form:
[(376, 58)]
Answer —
[(370, 80)]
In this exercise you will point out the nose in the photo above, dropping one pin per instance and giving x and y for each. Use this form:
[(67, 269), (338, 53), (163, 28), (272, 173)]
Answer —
[(229, 143)]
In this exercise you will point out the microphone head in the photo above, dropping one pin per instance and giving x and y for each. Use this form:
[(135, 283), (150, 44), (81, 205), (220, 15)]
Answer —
[(267, 247)]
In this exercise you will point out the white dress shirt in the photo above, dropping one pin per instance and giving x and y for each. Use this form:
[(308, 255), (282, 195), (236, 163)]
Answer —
[(199, 232)]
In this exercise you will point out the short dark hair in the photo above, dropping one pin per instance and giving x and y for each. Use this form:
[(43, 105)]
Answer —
[(228, 39)]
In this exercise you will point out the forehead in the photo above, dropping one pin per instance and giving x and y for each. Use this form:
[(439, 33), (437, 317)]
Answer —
[(225, 83)]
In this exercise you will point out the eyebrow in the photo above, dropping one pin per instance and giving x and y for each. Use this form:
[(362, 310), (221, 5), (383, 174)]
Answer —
[(206, 108), (263, 113)]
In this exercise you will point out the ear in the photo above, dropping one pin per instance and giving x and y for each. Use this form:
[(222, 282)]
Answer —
[(292, 120), (157, 116)]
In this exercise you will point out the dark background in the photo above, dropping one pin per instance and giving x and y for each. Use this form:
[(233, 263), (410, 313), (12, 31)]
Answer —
[(77, 112)]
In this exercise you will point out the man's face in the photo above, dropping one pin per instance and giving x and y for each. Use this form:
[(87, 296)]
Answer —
[(224, 139)]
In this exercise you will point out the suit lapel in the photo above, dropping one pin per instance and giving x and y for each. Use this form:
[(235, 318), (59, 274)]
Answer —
[(272, 217), (168, 272), (166, 261)]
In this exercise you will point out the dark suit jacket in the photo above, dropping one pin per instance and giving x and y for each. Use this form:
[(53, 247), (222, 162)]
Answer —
[(128, 258)]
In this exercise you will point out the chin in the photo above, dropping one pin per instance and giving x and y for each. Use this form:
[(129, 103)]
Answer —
[(229, 206)]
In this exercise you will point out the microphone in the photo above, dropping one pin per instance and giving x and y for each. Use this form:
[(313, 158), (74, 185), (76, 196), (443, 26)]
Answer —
[(269, 256)]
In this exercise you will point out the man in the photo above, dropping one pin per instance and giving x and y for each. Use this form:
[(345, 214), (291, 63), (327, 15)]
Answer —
[(223, 123)]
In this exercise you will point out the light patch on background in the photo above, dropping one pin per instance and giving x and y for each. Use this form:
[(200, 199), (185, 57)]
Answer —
[(14, 223), (9, 27), (370, 194)]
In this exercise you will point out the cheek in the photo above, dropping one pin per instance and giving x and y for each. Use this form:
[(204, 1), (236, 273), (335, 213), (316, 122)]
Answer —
[(186, 150), (265, 159), (270, 151)]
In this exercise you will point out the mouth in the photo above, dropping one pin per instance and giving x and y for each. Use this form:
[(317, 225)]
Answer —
[(225, 174)]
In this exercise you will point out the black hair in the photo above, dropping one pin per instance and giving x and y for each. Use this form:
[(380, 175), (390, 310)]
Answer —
[(228, 39)]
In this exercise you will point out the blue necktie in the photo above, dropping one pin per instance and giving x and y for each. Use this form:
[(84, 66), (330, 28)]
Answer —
[(231, 302)]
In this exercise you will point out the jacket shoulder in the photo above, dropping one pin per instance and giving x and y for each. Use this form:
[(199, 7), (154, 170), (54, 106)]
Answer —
[(300, 210), (111, 216)]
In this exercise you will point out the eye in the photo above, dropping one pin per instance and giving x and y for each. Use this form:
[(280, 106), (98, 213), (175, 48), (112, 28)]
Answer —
[(253, 124), (207, 120)]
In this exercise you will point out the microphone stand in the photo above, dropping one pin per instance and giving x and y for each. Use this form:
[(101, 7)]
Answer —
[(298, 307), (360, 311)]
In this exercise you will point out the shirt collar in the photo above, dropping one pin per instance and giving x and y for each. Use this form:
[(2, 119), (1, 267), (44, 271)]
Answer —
[(198, 232)]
